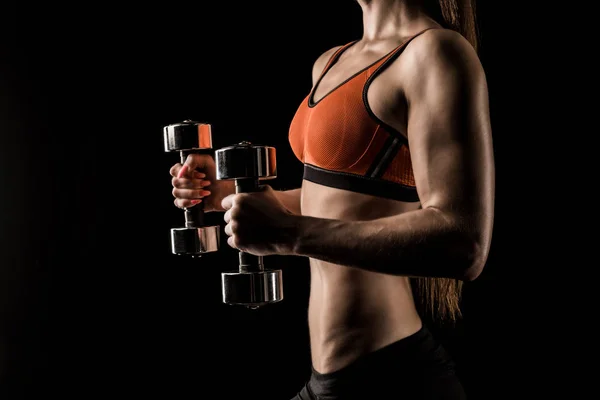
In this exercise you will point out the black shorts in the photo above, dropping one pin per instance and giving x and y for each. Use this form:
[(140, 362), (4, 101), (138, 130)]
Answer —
[(414, 368)]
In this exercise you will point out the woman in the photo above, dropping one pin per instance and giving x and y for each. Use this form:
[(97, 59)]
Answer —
[(396, 205)]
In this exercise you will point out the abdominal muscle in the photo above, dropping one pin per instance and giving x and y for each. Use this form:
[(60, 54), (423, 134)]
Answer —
[(351, 311)]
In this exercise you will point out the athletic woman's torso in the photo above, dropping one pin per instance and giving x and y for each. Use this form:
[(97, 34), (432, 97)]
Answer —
[(351, 174)]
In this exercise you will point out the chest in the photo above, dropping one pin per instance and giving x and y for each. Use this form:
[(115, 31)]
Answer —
[(370, 81), (350, 121)]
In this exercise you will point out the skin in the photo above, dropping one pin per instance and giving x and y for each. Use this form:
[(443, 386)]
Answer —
[(362, 249)]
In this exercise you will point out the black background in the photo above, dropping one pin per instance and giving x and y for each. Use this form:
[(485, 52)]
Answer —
[(92, 303)]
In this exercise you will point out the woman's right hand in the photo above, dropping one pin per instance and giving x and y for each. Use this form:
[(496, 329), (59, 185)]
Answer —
[(195, 181)]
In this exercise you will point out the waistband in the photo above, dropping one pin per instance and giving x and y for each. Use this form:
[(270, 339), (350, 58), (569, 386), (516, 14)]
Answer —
[(416, 357)]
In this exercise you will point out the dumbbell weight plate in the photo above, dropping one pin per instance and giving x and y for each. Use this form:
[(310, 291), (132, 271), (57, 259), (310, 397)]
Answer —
[(187, 135), (252, 289), (195, 241), (245, 160)]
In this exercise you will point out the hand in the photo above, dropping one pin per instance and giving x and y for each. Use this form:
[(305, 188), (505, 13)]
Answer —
[(258, 223), (196, 179)]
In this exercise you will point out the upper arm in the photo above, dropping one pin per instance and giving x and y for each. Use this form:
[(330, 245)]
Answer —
[(321, 62), (449, 130)]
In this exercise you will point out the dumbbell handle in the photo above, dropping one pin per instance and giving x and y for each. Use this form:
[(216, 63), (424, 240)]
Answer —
[(194, 216), (249, 262)]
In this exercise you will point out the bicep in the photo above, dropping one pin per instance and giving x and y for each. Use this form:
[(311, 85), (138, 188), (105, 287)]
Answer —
[(449, 133)]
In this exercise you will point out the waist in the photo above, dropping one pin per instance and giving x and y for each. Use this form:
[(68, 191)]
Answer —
[(353, 312), (414, 358)]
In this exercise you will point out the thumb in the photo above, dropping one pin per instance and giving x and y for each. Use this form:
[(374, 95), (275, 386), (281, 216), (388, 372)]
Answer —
[(193, 162), (265, 188)]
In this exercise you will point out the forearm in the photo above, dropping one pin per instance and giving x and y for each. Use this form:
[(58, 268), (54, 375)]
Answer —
[(419, 243), (290, 199)]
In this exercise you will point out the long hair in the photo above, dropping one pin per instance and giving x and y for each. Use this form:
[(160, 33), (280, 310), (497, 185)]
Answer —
[(438, 299)]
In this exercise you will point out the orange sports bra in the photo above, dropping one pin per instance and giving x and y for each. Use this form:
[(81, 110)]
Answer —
[(343, 145)]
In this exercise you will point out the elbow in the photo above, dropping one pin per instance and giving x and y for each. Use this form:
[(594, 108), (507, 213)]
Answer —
[(466, 243), (474, 257), (472, 272)]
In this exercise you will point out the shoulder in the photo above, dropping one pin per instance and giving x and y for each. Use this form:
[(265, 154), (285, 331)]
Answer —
[(441, 52), (442, 45), (321, 62)]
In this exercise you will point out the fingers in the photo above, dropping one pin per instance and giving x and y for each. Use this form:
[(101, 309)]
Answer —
[(185, 203), (230, 228), (186, 190), (190, 167), (184, 197), (183, 171), (189, 185), (229, 201), (230, 220), (174, 171), (195, 162), (185, 183), (232, 242)]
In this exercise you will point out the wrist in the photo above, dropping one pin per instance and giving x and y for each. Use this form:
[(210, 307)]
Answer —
[(306, 232), (295, 234)]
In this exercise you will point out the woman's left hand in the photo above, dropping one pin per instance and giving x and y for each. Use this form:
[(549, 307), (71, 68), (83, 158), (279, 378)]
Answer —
[(258, 223)]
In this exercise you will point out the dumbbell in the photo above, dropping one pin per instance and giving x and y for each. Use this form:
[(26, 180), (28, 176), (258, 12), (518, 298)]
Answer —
[(251, 285), (194, 239)]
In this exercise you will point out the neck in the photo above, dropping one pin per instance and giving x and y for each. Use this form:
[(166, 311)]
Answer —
[(383, 19)]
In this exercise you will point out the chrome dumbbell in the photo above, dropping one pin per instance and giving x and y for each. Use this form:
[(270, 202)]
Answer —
[(194, 239), (251, 285)]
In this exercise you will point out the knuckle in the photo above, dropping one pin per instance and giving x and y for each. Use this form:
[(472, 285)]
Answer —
[(240, 243), (195, 161), (240, 198), (175, 170)]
